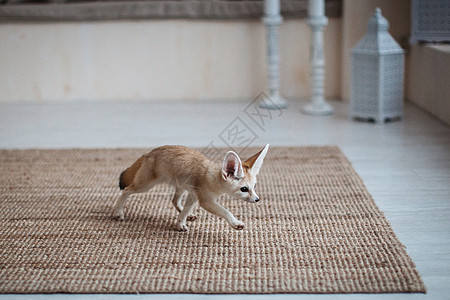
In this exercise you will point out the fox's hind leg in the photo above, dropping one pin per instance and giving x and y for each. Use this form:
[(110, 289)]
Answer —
[(129, 190), (118, 209)]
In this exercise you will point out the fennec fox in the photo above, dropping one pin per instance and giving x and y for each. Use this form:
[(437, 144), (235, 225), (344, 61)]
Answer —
[(190, 171)]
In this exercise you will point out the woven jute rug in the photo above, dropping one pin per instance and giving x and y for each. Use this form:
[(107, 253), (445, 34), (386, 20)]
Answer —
[(315, 230)]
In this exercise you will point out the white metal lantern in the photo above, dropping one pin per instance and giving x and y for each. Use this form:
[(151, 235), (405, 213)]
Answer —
[(377, 74)]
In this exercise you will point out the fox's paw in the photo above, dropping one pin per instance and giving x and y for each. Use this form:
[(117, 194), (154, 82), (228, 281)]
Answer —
[(238, 226), (182, 227), (118, 216), (191, 218)]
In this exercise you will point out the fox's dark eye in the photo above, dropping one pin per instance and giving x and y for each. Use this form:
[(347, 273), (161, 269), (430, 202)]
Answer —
[(244, 189)]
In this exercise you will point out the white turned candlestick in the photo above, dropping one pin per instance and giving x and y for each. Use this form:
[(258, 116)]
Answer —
[(316, 8), (271, 7), (272, 19), (317, 21)]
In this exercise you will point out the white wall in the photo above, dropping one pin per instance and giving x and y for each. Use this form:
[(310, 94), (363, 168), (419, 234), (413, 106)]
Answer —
[(156, 60)]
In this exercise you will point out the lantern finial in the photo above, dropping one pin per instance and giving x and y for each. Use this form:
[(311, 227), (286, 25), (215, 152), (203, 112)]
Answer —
[(377, 22)]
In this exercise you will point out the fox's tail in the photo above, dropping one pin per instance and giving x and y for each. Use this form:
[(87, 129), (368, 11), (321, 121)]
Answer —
[(127, 177), (122, 184)]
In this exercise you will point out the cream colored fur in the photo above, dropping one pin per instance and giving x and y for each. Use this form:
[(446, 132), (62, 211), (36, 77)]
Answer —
[(191, 172)]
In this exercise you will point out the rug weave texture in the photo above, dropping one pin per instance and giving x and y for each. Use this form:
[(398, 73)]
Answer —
[(315, 230)]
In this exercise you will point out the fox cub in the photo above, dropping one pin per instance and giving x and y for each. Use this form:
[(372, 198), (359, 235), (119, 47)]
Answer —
[(190, 171)]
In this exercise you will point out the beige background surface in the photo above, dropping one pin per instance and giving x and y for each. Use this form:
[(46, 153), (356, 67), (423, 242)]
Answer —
[(172, 60), (176, 59)]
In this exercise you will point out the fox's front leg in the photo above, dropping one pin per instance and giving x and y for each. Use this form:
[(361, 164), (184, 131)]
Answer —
[(177, 197), (189, 205), (176, 201), (215, 208)]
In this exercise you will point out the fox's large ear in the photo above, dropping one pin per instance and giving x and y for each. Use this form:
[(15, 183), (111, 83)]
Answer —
[(232, 166), (255, 162)]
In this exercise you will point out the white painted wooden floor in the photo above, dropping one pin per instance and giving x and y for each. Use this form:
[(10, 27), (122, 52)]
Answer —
[(405, 165)]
